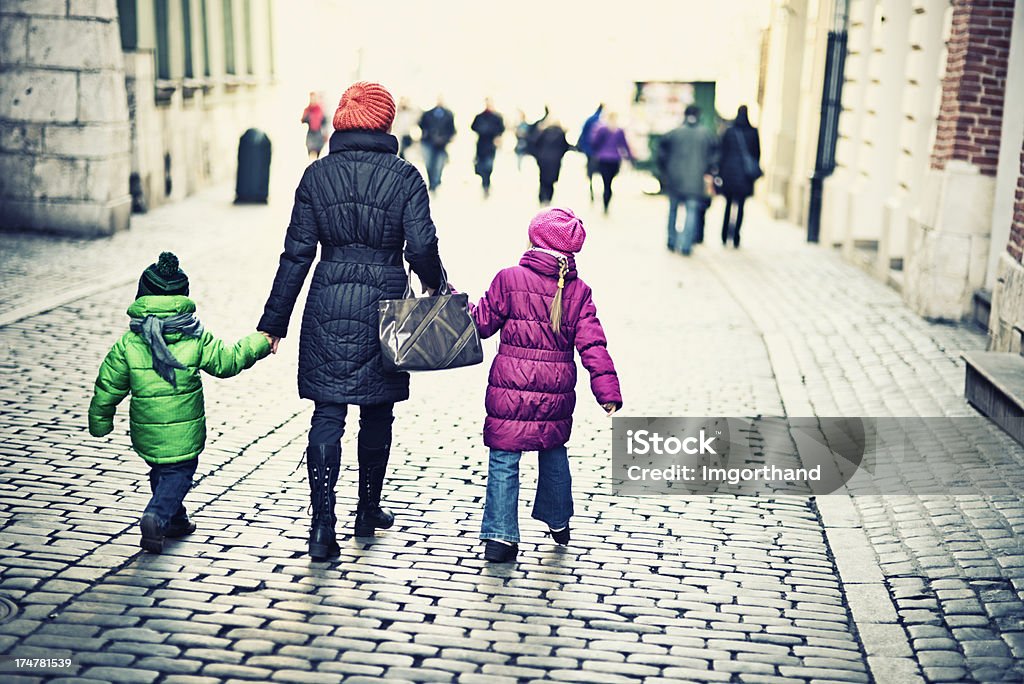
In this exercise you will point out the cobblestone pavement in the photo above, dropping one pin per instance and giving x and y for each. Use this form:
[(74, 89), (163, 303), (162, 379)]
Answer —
[(652, 589)]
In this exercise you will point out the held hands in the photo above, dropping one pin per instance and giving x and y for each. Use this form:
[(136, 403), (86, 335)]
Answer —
[(274, 341), (610, 408)]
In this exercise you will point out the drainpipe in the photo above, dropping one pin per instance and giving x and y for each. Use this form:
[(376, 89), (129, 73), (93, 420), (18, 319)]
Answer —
[(831, 106)]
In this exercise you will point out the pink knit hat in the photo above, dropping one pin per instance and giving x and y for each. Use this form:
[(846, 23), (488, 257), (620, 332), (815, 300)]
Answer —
[(365, 105), (558, 229)]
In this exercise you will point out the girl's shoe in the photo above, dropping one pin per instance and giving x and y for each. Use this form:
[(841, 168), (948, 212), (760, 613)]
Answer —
[(561, 536), (152, 533), (497, 552)]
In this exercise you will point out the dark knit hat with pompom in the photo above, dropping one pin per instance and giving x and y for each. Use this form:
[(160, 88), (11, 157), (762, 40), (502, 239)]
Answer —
[(163, 278)]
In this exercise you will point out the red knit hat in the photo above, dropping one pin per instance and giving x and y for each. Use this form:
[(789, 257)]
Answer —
[(365, 105), (557, 229)]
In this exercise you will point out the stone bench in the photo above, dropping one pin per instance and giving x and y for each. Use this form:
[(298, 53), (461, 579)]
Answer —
[(995, 386)]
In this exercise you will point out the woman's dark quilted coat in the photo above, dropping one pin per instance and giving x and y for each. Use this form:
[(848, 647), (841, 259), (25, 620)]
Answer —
[(363, 205)]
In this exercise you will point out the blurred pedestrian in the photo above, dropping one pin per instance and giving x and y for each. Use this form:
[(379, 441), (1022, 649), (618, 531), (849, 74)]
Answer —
[(362, 208), (157, 362), (488, 126), (584, 146), (608, 148), (317, 129), (406, 117), (522, 139), (531, 387), (685, 155), (437, 128), (739, 168), (549, 147)]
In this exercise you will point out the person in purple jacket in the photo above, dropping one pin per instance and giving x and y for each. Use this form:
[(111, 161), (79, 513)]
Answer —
[(543, 311), (608, 147)]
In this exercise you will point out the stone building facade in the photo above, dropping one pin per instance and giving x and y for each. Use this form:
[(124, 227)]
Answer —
[(106, 105), (928, 155)]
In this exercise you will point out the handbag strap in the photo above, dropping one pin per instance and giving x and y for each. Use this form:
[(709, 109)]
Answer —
[(744, 150), (442, 289)]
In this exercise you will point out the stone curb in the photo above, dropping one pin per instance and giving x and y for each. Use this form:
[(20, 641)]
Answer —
[(884, 642)]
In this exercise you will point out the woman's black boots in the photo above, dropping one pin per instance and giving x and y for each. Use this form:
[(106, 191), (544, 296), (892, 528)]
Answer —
[(373, 465), (323, 461)]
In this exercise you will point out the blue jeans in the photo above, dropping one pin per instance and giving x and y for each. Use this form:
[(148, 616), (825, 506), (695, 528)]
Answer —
[(552, 505), (170, 483), (683, 241), (434, 158)]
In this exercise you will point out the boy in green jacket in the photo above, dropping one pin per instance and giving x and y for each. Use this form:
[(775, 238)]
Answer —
[(158, 362)]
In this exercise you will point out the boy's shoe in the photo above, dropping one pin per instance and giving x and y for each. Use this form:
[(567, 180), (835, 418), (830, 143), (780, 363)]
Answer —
[(179, 528), (561, 536), (152, 533), (498, 552)]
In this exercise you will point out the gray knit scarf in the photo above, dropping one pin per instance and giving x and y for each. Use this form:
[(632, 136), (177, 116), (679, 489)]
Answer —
[(153, 329)]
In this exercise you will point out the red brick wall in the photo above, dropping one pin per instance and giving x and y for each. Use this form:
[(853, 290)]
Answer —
[(1016, 244), (971, 112)]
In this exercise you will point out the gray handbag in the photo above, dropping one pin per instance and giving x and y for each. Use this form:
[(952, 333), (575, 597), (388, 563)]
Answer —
[(428, 333)]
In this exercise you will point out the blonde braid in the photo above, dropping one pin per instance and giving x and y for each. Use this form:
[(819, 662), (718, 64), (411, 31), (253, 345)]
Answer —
[(556, 303)]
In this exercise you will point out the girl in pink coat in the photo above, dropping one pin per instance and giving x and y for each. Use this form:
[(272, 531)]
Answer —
[(544, 312)]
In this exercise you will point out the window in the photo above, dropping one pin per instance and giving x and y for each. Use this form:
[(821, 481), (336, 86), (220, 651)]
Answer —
[(186, 23), (270, 36), (129, 24), (206, 38), (247, 18), (229, 37), (163, 48)]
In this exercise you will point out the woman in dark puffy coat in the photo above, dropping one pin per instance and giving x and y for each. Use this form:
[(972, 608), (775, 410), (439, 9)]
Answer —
[(738, 168), (364, 206), (549, 148)]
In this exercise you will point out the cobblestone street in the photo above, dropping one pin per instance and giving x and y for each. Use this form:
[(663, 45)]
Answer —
[(652, 589)]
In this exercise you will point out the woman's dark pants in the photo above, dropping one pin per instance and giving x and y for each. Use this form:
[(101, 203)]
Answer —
[(609, 169), (728, 219), (323, 459)]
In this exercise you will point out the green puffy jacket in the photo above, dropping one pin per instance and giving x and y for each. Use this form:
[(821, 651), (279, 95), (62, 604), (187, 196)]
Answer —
[(168, 424)]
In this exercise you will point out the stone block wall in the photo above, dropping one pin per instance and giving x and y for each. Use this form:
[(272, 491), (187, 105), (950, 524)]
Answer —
[(1008, 294), (1015, 247), (64, 132)]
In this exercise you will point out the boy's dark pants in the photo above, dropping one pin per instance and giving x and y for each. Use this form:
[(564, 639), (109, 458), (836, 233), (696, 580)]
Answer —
[(170, 483)]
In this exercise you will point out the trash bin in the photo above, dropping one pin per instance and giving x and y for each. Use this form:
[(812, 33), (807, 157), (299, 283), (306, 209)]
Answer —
[(253, 178)]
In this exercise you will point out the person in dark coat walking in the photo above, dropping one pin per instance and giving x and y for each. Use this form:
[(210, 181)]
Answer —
[(738, 168), (584, 146), (364, 207), (549, 148), (437, 128), (488, 126), (685, 155)]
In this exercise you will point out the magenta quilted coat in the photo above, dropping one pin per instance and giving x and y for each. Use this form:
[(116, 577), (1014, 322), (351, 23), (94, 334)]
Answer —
[(531, 387)]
